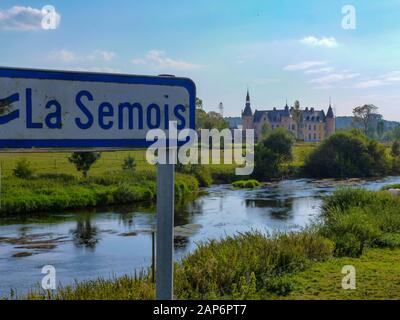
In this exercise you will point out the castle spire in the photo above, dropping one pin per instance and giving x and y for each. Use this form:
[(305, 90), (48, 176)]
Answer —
[(247, 110), (330, 113)]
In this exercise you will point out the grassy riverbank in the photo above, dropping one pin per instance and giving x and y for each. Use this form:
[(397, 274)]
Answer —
[(377, 277), (56, 185), (56, 192), (358, 227)]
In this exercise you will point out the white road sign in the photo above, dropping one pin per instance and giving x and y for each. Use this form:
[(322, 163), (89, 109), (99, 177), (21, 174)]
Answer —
[(56, 109)]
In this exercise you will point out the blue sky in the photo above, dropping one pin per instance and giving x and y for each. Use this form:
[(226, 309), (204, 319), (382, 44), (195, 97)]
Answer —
[(280, 49)]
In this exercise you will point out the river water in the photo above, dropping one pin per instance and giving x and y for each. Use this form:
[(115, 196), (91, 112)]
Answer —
[(111, 242)]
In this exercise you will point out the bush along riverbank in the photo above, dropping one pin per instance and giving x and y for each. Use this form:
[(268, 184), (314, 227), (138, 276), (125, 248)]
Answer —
[(357, 227), (56, 192)]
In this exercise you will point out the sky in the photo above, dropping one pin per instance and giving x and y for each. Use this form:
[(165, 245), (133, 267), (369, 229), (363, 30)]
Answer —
[(279, 49)]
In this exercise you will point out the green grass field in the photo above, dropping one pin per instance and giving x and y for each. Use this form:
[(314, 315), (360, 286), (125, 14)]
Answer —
[(112, 160), (377, 277), (58, 162)]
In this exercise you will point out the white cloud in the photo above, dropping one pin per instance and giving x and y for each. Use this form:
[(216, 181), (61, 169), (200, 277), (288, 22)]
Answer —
[(64, 55), (327, 81), (329, 42), (384, 80), (102, 55), (370, 84), (158, 59), (304, 65), (98, 69), (23, 19), (320, 70)]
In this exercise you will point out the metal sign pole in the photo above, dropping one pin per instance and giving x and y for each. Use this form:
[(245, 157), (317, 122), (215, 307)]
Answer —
[(165, 231)]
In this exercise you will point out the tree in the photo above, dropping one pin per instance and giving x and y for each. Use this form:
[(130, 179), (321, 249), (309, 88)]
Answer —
[(380, 129), (199, 104), (272, 153), (346, 155), (393, 135), (395, 152), (280, 142), (211, 120), (396, 149), (84, 160), (363, 116), (296, 115), (265, 131)]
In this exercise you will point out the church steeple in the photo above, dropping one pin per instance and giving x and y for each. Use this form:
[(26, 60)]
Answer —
[(247, 110)]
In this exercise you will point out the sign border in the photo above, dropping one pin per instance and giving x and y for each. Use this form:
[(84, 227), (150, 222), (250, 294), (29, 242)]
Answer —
[(41, 74)]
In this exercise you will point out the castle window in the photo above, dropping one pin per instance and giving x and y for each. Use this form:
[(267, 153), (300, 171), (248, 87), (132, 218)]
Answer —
[(318, 119), (293, 127), (315, 136), (315, 127), (312, 119)]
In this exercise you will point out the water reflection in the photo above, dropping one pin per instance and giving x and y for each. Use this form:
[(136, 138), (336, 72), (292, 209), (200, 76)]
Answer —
[(86, 234)]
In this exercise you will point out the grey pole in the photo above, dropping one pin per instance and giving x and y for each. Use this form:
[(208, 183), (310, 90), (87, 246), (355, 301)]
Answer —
[(165, 231)]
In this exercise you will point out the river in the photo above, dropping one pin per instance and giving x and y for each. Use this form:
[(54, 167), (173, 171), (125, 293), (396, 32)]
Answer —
[(112, 242)]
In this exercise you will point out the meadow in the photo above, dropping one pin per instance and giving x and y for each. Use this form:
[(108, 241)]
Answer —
[(56, 185)]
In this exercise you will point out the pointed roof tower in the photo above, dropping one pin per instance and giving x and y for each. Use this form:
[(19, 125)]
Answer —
[(330, 110), (247, 110)]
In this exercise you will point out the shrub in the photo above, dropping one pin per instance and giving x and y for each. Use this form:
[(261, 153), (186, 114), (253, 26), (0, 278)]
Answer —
[(391, 240), (200, 172), (23, 169), (234, 266), (84, 160), (129, 163), (351, 231), (395, 150), (246, 184), (271, 155), (345, 198), (124, 194), (355, 218), (346, 155)]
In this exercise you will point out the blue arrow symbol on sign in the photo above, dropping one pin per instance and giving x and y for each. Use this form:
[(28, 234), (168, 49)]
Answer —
[(5, 106)]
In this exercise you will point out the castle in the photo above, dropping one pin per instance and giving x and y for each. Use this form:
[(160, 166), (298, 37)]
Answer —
[(308, 125)]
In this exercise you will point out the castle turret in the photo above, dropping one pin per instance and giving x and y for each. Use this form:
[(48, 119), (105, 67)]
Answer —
[(247, 115), (330, 121)]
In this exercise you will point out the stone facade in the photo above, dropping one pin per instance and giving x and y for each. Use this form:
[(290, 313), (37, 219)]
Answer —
[(312, 125)]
